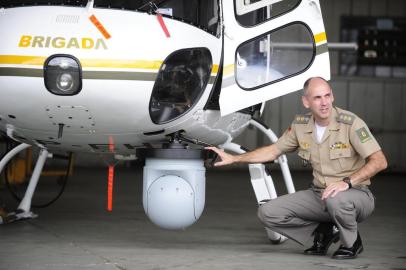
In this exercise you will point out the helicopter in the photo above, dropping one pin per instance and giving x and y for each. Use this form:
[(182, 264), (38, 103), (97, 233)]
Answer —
[(157, 80)]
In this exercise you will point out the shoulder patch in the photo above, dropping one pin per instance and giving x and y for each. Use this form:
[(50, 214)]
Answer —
[(345, 118), (301, 119), (363, 134)]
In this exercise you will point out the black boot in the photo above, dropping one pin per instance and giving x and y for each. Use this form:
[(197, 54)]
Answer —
[(324, 235), (349, 253)]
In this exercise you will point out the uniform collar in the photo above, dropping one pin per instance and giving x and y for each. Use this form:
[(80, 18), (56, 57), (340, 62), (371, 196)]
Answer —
[(333, 125), (310, 125)]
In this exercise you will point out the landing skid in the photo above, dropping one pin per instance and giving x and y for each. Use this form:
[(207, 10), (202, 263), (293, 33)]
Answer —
[(24, 209), (261, 180), (17, 216)]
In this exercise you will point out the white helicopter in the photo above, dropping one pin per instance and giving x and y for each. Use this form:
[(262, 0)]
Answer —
[(154, 79)]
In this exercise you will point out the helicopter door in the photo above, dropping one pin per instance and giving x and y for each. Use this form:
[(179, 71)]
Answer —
[(271, 47)]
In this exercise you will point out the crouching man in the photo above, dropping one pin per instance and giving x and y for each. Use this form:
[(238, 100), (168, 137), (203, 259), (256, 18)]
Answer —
[(344, 156)]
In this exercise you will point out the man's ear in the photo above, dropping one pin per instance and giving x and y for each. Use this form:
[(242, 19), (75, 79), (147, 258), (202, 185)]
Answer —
[(305, 102)]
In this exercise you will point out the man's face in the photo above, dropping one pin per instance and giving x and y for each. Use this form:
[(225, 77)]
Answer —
[(319, 99)]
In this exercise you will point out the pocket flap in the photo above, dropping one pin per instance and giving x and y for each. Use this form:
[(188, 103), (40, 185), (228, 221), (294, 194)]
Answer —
[(304, 154), (340, 153)]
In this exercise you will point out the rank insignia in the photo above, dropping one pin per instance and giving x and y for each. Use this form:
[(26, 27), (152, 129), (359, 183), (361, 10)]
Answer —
[(301, 119), (345, 118), (363, 134)]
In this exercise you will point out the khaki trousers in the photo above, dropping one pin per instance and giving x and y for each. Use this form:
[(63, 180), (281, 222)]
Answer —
[(297, 215)]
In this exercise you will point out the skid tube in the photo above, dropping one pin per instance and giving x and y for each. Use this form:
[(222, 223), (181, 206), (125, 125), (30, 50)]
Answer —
[(24, 209), (261, 180)]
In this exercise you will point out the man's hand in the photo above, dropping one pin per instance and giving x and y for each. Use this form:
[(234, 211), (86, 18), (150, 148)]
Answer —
[(226, 159), (333, 189)]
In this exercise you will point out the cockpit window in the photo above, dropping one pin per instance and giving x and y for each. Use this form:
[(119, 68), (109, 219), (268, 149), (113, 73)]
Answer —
[(203, 14), (19, 3), (275, 56), (253, 12)]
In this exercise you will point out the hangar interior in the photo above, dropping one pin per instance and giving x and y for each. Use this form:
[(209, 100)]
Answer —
[(77, 232), (374, 92)]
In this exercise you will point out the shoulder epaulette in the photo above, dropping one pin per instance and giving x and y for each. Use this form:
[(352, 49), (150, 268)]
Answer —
[(345, 118), (301, 119)]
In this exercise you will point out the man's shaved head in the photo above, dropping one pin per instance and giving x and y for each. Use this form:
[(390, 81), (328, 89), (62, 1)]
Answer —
[(312, 80)]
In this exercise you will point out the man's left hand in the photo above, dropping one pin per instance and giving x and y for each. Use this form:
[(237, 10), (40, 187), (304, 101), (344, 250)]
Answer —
[(333, 189)]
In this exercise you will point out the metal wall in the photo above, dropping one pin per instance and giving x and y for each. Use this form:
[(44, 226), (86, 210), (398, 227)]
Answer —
[(380, 102), (333, 9)]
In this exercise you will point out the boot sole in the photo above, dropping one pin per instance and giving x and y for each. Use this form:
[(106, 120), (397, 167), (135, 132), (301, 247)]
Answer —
[(344, 257), (334, 240)]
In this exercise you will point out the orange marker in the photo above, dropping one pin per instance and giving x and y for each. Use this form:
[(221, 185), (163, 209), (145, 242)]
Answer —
[(111, 144), (163, 26), (110, 189), (99, 26)]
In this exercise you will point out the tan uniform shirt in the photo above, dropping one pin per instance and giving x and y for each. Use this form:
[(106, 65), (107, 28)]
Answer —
[(345, 145)]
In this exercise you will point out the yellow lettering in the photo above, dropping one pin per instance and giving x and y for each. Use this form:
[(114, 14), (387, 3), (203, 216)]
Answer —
[(47, 42), (100, 42), (73, 42), (87, 43), (61, 42), (25, 41), (58, 42), (38, 42)]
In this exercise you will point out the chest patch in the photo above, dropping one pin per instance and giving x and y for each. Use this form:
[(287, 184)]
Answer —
[(339, 145)]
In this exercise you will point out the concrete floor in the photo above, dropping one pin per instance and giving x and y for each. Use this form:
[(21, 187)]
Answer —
[(77, 233)]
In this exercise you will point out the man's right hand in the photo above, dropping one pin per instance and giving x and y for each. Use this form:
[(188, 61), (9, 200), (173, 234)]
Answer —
[(226, 159)]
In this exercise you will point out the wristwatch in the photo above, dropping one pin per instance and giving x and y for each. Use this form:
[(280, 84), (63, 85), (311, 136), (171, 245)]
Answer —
[(348, 181)]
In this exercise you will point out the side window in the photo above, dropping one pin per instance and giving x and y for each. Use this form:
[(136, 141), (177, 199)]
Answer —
[(274, 56), (253, 12)]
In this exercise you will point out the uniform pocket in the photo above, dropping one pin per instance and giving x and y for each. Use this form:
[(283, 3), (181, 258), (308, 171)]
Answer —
[(343, 156), (304, 154)]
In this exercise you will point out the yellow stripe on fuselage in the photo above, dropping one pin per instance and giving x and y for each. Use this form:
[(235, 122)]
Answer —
[(227, 70), (215, 69), (22, 60), (117, 63), (320, 37), (89, 63)]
